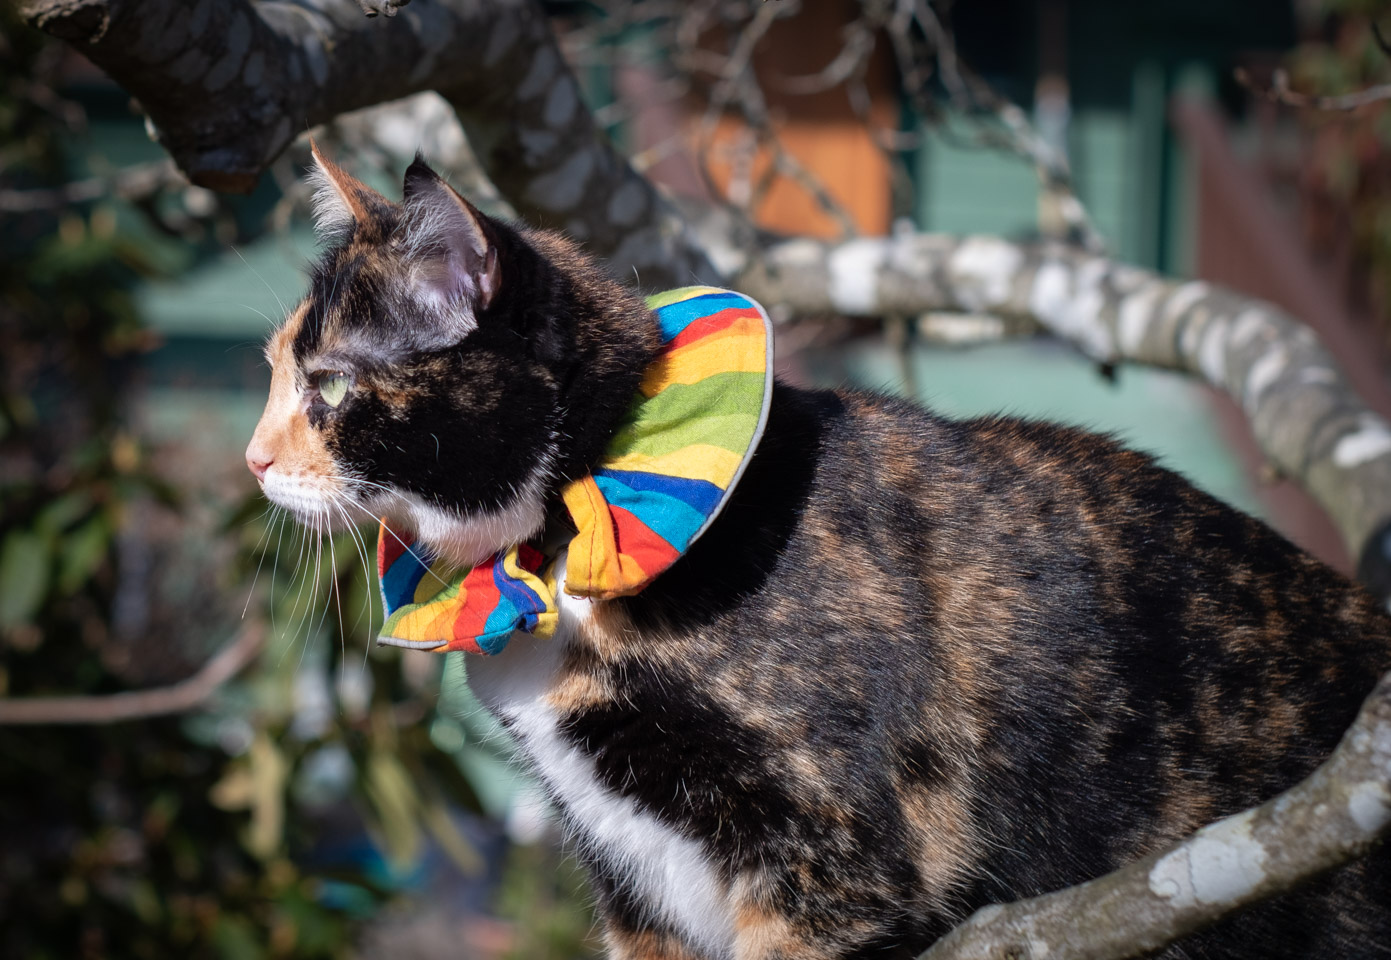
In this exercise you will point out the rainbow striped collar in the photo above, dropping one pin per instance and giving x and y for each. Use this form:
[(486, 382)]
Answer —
[(669, 470)]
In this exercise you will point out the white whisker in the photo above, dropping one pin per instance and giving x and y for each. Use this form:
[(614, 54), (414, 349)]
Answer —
[(258, 276), (337, 593), (360, 545), (263, 538)]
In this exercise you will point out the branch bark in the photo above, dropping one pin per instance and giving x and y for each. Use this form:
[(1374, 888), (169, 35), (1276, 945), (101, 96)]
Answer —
[(228, 84), (1307, 420), (1334, 816), (139, 704)]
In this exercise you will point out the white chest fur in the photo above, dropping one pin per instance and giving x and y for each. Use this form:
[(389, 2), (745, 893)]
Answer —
[(669, 872)]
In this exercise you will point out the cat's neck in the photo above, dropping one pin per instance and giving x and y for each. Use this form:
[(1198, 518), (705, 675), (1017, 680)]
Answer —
[(610, 338)]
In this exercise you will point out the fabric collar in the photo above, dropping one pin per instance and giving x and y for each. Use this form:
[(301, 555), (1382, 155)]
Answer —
[(691, 430)]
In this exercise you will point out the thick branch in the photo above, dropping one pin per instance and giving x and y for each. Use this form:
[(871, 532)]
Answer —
[(1331, 818), (1305, 417), (227, 84), (138, 704)]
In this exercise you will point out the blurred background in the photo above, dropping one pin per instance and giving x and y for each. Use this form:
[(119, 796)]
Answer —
[(333, 799)]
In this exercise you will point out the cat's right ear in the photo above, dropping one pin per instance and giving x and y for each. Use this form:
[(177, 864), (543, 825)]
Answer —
[(343, 205)]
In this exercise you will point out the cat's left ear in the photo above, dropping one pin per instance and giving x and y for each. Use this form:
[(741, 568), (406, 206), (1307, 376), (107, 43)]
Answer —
[(446, 241)]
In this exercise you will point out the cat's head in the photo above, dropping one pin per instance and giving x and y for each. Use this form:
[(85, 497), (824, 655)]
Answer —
[(445, 369)]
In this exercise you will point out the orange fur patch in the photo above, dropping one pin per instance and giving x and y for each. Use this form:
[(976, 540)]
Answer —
[(761, 931), (284, 435), (644, 945)]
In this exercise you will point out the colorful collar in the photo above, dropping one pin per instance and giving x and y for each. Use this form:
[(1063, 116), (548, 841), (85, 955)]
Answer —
[(690, 432)]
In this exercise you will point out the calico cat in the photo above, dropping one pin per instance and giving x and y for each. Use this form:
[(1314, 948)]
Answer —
[(912, 666)]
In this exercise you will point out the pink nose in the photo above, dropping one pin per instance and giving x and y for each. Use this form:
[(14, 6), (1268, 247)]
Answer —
[(258, 464)]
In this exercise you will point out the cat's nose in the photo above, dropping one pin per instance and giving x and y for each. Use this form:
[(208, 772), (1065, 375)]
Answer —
[(258, 462)]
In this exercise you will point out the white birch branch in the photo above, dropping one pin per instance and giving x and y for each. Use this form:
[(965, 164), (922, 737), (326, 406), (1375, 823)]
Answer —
[(1307, 420)]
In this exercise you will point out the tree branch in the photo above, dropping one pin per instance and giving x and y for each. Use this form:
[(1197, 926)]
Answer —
[(139, 704), (1334, 816), (133, 183), (1279, 91), (1307, 420), (227, 85)]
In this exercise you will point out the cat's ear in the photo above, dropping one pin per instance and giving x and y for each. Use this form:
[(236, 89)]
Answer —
[(343, 205), (454, 263)]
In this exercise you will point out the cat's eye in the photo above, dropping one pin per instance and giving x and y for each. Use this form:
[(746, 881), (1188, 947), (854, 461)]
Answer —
[(333, 387)]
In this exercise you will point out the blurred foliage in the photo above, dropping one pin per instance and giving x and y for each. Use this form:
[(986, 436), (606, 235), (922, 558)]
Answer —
[(1347, 167), (276, 820), (546, 897), (110, 844)]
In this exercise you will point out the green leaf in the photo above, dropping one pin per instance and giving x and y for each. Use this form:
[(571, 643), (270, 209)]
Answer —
[(58, 514), (396, 804), (81, 552), (235, 939), (24, 573), (317, 932)]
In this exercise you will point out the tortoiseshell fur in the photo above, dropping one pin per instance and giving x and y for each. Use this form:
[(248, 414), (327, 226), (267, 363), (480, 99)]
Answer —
[(915, 667)]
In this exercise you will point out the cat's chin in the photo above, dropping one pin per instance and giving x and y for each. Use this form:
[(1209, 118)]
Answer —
[(465, 539)]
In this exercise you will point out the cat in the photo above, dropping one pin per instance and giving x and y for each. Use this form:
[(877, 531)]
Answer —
[(913, 666)]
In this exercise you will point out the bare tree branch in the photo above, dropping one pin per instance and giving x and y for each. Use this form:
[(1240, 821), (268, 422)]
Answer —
[(1279, 91), (132, 183), (1305, 417), (1335, 815), (971, 95), (139, 704), (227, 85)]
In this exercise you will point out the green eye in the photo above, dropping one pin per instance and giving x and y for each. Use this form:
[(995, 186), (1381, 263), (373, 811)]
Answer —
[(333, 387)]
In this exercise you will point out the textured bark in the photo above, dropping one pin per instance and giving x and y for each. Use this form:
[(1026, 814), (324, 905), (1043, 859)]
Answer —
[(228, 84), (1305, 417), (1336, 815)]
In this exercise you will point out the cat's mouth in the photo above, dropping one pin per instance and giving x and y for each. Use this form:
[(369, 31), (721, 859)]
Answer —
[(317, 502), (462, 537)]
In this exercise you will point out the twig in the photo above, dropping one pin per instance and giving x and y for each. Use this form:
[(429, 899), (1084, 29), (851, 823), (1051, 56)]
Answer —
[(970, 94), (849, 62), (731, 73), (738, 85), (1381, 39), (132, 183), (1279, 92), (138, 704), (1337, 814)]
